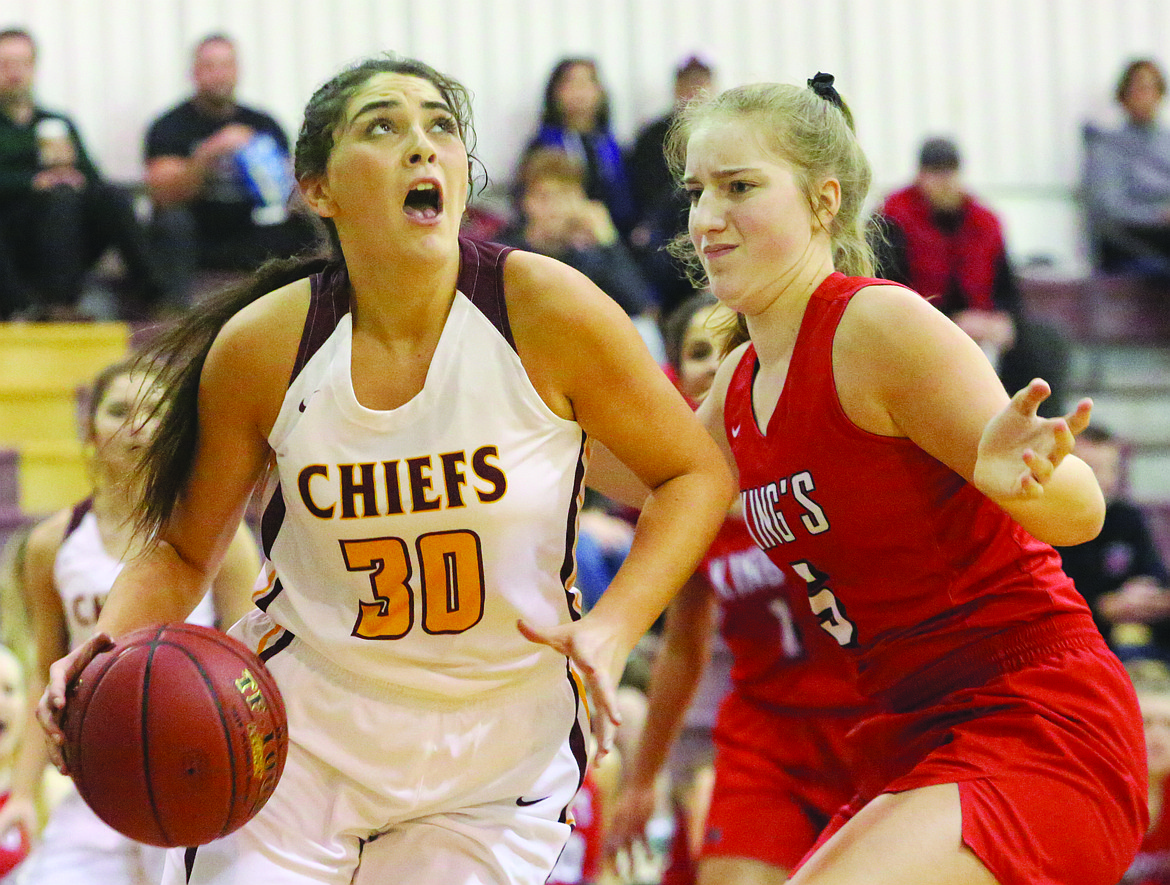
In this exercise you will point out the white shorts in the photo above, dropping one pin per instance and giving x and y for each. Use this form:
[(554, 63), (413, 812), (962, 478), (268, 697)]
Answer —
[(381, 787), (77, 848)]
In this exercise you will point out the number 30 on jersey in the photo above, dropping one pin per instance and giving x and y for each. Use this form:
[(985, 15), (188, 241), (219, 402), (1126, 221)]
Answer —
[(450, 584)]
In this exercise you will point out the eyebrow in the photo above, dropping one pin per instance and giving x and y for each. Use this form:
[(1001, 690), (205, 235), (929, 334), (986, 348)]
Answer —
[(391, 103), (722, 173)]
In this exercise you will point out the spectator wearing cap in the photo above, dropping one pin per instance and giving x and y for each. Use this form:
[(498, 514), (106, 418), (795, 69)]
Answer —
[(661, 204), (935, 237)]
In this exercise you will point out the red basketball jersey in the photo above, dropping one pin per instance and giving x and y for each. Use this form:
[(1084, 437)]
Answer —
[(902, 559), (780, 656)]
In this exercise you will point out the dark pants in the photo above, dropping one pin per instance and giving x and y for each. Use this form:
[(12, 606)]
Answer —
[(52, 238), (1039, 352), (188, 247)]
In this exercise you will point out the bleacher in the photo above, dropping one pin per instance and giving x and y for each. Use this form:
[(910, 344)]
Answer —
[(43, 366), (1119, 329)]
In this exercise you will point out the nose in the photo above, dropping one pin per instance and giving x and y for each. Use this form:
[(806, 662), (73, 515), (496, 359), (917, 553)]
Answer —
[(144, 424), (420, 151), (705, 214)]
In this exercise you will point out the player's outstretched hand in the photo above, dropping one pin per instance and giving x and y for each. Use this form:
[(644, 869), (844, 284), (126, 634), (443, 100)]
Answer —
[(1019, 450), (632, 812), (52, 703), (595, 657), (18, 815)]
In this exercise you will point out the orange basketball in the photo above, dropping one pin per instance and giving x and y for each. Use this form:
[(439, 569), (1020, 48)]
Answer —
[(176, 736)]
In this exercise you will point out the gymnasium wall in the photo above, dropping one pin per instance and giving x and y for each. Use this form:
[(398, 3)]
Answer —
[(1012, 80)]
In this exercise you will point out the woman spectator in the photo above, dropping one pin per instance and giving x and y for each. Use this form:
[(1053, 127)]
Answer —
[(575, 119)]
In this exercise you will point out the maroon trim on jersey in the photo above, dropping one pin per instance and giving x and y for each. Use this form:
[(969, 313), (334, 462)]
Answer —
[(569, 565), (272, 520), (79, 510), (481, 279), (328, 303), (266, 600), (285, 640), (577, 745)]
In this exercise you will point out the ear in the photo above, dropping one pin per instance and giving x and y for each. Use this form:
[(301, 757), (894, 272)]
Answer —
[(828, 201), (315, 190)]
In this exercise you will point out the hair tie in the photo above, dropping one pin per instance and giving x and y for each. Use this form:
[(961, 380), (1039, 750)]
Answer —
[(822, 85)]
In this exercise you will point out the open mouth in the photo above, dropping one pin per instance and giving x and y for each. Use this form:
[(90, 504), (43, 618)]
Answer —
[(424, 201)]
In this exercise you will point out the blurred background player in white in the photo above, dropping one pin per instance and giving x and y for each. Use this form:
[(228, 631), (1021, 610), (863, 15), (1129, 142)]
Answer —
[(70, 563)]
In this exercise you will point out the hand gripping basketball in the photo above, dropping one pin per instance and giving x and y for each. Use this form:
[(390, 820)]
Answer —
[(175, 735)]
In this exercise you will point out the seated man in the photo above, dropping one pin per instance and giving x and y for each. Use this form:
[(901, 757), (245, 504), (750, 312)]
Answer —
[(220, 176), (57, 214), (936, 238)]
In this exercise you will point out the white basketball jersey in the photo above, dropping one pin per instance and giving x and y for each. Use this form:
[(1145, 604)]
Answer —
[(403, 545), (84, 573)]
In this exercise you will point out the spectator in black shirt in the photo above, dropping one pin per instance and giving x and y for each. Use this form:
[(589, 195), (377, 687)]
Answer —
[(220, 176)]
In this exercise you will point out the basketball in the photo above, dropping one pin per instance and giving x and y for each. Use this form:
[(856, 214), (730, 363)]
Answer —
[(175, 736)]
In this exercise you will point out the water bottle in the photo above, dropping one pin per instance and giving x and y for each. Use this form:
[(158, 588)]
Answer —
[(267, 176)]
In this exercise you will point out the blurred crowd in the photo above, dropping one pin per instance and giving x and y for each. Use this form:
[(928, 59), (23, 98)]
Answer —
[(219, 198)]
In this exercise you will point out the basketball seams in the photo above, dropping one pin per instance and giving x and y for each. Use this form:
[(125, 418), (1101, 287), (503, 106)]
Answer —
[(144, 740), (243, 740), (225, 725)]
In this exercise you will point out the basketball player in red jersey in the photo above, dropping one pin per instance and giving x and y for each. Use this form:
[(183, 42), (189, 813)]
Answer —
[(884, 468), (781, 759)]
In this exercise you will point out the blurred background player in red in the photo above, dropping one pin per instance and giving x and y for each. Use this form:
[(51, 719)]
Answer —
[(1151, 679), (14, 841), (70, 562), (780, 759)]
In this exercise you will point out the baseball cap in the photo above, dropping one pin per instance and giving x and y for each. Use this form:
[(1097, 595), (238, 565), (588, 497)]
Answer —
[(939, 153)]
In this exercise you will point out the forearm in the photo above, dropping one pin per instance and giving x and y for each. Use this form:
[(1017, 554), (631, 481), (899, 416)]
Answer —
[(1070, 511), (677, 524), (156, 588), (674, 679)]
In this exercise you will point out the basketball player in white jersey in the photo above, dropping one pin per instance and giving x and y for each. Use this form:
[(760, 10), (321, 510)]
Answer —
[(71, 561), (425, 406)]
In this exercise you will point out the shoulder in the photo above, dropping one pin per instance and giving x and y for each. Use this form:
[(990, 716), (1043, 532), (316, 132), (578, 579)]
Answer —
[(570, 336), (272, 324), (890, 328), (898, 199), (45, 538), (254, 353), (879, 310), (174, 115), (542, 288), (983, 214)]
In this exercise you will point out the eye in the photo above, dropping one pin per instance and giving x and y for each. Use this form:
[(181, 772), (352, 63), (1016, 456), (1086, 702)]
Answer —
[(379, 125), (693, 194), (700, 351), (740, 187), (445, 124)]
